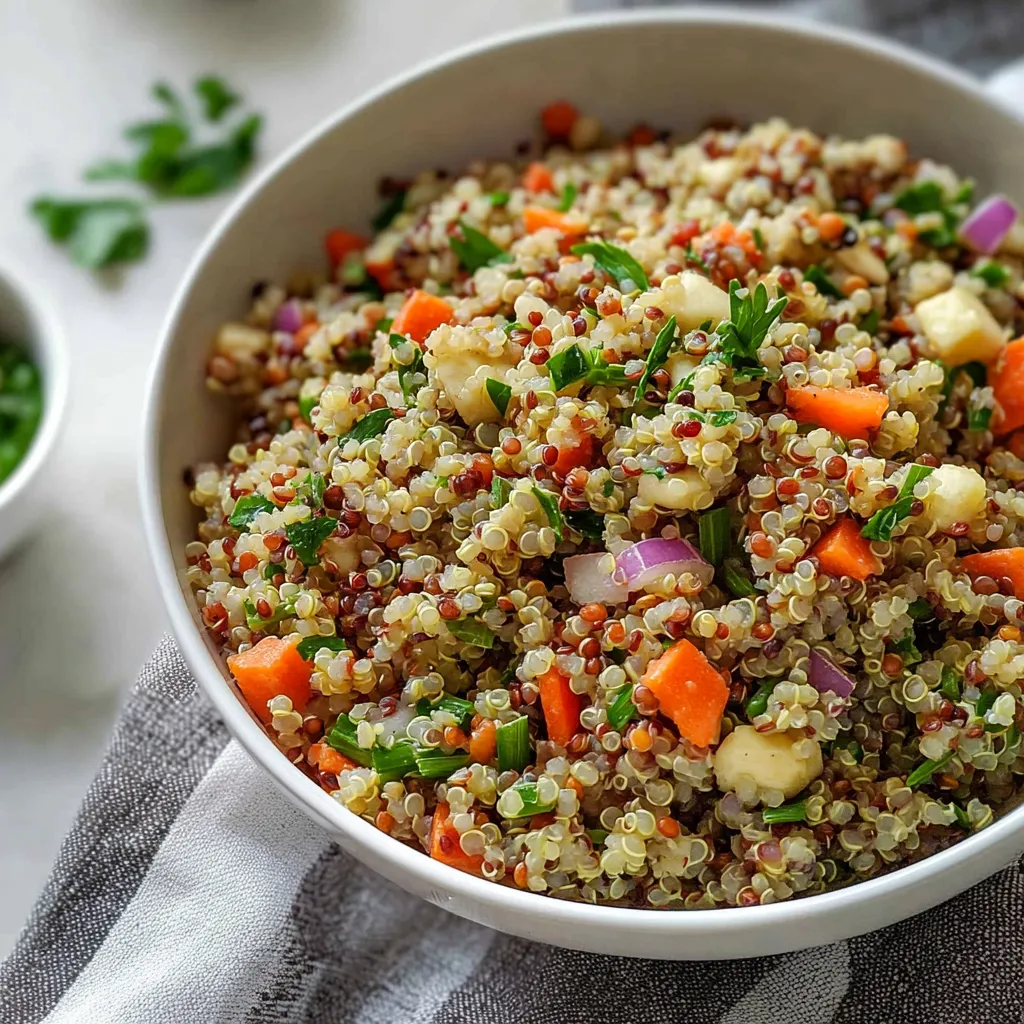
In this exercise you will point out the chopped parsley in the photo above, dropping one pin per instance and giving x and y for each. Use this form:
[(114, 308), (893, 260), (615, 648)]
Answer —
[(588, 522), (883, 522), (471, 631), (98, 232), (751, 316), (924, 771), (373, 424), (307, 536), (499, 198), (722, 417), (217, 97), (309, 646), (569, 193), (311, 488), (817, 276), (475, 250), (285, 609), (273, 569), (499, 393), (577, 363), (411, 376), (995, 275), (870, 322), (925, 197), (658, 354), (501, 491), (247, 508), (549, 503), (615, 262)]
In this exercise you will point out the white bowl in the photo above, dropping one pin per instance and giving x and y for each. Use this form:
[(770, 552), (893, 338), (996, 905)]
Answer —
[(27, 318), (672, 68)]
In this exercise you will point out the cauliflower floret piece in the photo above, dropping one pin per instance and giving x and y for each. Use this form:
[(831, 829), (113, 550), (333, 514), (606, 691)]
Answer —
[(957, 496), (692, 299), (783, 762), (960, 327), (462, 358), (685, 491)]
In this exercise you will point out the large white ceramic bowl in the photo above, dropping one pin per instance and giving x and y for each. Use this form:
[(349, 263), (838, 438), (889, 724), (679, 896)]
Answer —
[(668, 68)]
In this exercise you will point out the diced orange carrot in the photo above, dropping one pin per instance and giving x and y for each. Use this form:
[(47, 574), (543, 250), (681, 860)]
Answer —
[(483, 742), (727, 233), (1000, 563), (689, 690), (331, 762), (537, 217), (444, 843), (304, 333), (269, 668), (561, 706), (420, 314), (848, 412), (1015, 442), (538, 178), (571, 456), (1008, 387), (339, 243), (558, 118), (843, 551)]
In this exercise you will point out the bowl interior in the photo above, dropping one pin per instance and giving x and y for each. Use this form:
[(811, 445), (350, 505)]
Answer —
[(673, 70)]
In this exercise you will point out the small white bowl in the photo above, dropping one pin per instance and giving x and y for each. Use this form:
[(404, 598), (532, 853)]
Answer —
[(677, 68), (27, 318)]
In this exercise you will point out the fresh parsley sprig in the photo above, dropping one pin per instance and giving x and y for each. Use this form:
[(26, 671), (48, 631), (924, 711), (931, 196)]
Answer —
[(615, 262), (883, 522), (658, 354), (751, 316), (578, 363)]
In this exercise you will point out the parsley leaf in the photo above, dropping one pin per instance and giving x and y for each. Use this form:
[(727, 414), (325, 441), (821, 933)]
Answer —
[(373, 424), (616, 263), (499, 393), (549, 503), (692, 257), (390, 209), (311, 645), (411, 376), (750, 318), (906, 648), (569, 193), (501, 490), (285, 609), (978, 419), (471, 631), (928, 197), (217, 97), (883, 522), (247, 508), (722, 417), (98, 232), (312, 487), (499, 198), (514, 326), (577, 363), (307, 536), (476, 250), (995, 275), (588, 522), (658, 354), (817, 276)]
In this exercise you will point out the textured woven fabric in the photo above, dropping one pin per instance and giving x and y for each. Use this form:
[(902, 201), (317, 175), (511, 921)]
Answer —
[(189, 890)]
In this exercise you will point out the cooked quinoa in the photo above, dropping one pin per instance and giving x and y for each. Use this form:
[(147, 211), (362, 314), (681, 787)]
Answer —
[(825, 688)]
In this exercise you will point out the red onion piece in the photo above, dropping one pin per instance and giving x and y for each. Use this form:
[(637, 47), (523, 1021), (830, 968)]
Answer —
[(653, 559), (588, 582), (825, 676), (288, 317), (989, 223)]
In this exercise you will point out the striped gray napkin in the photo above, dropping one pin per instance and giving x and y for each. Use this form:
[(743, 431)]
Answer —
[(189, 890)]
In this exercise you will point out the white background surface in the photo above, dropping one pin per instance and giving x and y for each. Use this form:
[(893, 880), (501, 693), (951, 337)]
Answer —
[(79, 611)]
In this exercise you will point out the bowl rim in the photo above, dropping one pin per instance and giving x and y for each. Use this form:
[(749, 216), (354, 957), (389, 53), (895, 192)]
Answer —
[(400, 859), (48, 350)]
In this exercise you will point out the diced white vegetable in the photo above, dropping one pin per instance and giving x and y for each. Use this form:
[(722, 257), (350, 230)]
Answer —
[(344, 552), (957, 496), (241, 342), (859, 259), (769, 760), (691, 298), (681, 491), (463, 378), (718, 175), (679, 365), (960, 327)]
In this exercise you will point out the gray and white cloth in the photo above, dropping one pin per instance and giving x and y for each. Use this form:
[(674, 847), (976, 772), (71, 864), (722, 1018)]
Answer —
[(189, 890)]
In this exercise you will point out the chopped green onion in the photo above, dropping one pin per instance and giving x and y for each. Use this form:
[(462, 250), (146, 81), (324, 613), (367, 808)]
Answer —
[(923, 772), (978, 419), (435, 765), (527, 792), (311, 645), (737, 583), (513, 740), (622, 709), (342, 737), (995, 275), (785, 813), (462, 710), (393, 763), (870, 322), (714, 534), (658, 354), (758, 703), (961, 816), (499, 198)]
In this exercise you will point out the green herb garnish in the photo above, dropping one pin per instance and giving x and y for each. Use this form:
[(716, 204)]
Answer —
[(499, 393), (501, 490), (311, 488), (722, 417), (598, 835), (285, 609), (411, 376), (471, 631), (577, 363), (436, 765), (373, 424), (569, 193), (928, 197), (391, 208), (273, 569), (692, 257), (658, 354), (870, 322), (923, 772), (342, 737), (307, 536), (247, 508), (615, 262), (950, 685), (750, 318), (98, 232), (549, 503), (588, 522), (883, 522), (527, 792), (737, 583), (309, 646), (476, 250), (217, 97), (995, 275), (461, 710), (920, 610), (714, 533), (622, 709), (785, 813), (499, 198), (21, 406), (307, 403), (906, 648), (979, 419), (758, 703), (513, 739), (817, 276)]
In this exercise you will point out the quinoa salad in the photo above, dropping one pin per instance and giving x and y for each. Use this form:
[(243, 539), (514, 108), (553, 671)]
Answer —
[(637, 521)]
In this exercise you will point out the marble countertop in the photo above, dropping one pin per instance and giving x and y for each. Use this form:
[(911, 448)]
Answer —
[(79, 608)]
